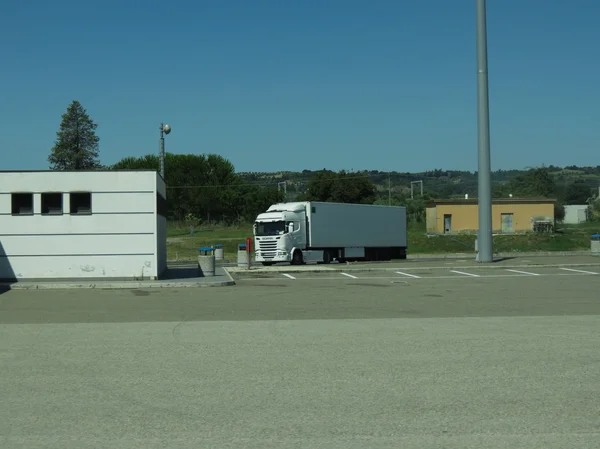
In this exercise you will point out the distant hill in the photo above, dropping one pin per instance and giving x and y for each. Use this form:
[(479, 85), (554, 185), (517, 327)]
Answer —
[(439, 184)]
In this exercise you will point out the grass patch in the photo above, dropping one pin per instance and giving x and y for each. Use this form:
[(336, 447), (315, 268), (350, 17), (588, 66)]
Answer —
[(183, 246)]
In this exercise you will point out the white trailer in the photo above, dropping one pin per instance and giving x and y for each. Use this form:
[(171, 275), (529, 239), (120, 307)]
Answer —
[(321, 232)]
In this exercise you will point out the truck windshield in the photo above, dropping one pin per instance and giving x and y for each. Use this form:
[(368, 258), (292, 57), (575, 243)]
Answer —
[(269, 228)]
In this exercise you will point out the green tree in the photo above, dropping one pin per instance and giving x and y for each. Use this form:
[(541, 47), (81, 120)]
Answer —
[(147, 162), (534, 183), (76, 146), (559, 212), (578, 193), (594, 211), (206, 187), (352, 188), (341, 187), (320, 187), (253, 200)]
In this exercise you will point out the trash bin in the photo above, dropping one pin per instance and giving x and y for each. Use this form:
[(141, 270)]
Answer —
[(595, 244), (219, 252), (206, 262), (242, 255)]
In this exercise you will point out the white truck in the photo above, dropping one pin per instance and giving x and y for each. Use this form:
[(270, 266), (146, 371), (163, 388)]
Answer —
[(321, 232)]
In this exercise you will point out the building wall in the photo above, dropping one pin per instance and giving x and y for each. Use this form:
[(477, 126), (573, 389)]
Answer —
[(116, 240), (465, 216), (161, 226), (575, 214), (431, 220)]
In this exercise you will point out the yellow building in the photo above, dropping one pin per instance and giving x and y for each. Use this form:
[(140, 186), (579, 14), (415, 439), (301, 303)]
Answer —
[(509, 215)]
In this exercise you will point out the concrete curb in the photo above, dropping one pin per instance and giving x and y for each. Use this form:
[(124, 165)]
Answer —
[(231, 281), (412, 256), (122, 284), (113, 285), (506, 254)]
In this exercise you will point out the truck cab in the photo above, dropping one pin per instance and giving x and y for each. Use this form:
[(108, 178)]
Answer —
[(279, 232)]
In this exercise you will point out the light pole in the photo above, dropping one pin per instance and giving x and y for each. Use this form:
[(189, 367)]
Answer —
[(164, 129), (484, 194)]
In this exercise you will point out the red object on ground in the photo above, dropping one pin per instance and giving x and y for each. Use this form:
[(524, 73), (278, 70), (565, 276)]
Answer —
[(249, 244)]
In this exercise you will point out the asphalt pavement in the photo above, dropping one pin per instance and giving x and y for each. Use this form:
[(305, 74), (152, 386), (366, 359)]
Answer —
[(349, 362), (499, 262)]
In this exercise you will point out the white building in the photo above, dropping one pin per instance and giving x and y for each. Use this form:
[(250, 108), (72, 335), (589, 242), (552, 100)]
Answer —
[(575, 214), (82, 225)]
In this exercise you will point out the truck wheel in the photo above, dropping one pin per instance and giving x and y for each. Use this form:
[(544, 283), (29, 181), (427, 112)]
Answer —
[(297, 258), (326, 257)]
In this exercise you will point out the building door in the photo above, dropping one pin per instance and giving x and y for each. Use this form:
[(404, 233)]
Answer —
[(507, 224), (447, 224)]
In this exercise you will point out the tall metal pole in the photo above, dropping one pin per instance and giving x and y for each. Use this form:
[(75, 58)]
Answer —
[(162, 151), (484, 238)]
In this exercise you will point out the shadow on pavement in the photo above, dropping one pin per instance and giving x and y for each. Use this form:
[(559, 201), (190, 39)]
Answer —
[(502, 259), (7, 274), (190, 272)]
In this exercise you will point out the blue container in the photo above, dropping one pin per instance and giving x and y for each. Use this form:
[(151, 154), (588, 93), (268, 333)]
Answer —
[(206, 251)]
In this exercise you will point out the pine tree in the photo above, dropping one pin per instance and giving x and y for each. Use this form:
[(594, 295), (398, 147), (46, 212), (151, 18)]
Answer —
[(76, 147)]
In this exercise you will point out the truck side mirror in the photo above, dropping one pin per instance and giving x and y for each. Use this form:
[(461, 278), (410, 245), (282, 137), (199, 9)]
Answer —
[(291, 227)]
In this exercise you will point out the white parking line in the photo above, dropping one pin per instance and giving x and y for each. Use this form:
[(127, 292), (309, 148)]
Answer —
[(409, 275), (578, 271), (288, 276), (391, 278), (524, 272), (465, 274)]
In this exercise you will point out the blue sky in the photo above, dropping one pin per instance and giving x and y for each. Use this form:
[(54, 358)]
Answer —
[(290, 85)]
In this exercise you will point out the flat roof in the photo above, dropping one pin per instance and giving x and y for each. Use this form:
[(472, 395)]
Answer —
[(463, 201)]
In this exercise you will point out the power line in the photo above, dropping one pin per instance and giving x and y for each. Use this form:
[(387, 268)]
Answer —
[(267, 183)]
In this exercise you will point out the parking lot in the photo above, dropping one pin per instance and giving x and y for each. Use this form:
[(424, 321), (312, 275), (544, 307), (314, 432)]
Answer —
[(416, 273), (349, 356)]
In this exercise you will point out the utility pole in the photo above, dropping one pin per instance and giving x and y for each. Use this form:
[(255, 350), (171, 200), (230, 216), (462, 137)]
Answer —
[(484, 233)]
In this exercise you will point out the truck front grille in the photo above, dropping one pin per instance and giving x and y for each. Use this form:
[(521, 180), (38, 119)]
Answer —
[(268, 248)]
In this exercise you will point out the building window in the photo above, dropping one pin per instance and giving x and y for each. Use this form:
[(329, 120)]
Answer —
[(81, 203), (22, 203), (52, 204)]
